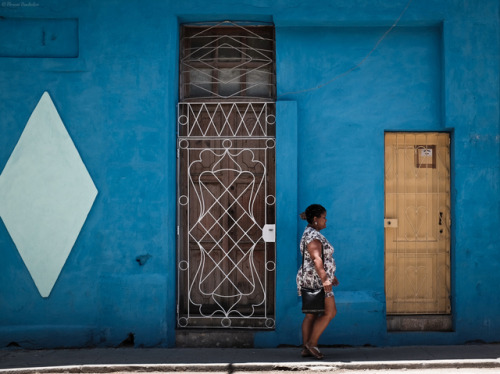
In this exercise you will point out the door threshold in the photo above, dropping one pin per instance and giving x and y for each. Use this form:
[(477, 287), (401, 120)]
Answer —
[(214, 338), (425, 322)]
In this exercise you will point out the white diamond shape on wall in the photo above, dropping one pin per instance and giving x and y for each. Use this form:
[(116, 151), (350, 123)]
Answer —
[(46, 194)]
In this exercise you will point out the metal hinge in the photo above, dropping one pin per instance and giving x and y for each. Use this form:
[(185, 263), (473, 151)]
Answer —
[(178, 230)]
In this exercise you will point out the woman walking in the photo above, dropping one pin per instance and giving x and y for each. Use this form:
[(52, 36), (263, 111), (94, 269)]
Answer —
[(318, 270)]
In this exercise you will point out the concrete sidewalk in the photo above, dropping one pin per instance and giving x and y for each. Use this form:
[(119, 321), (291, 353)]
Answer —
[(106, 360)]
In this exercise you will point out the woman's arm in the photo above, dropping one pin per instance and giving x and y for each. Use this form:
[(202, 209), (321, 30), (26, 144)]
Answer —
[(315, 250)]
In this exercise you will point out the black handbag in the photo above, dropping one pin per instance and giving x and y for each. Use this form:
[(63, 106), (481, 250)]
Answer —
[(313, 300)]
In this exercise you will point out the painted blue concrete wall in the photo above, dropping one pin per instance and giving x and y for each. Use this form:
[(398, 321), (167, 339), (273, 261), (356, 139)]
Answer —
[(115, 88)]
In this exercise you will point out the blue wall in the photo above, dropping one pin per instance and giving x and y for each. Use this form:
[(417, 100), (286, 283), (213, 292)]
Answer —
[(114, 85)]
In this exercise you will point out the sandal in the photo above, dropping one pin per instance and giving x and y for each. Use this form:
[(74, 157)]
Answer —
[(305, 352), (314, 351)]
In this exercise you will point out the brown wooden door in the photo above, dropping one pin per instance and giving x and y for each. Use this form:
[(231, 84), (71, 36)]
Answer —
[(226, 270), (417, 223)]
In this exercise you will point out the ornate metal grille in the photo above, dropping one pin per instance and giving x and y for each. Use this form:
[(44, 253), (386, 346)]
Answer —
[(226, 205), (227, 61), (226, 181), (226, 119)]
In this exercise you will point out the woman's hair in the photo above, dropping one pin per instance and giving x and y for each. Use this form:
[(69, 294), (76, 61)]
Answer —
[(311, 212)]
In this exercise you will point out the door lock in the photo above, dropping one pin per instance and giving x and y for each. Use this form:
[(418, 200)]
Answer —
[(269, 233), (390, 222)]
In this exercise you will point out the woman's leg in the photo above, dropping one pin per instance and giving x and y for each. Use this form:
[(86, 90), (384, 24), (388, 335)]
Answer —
[(321, 322), (307, 326)]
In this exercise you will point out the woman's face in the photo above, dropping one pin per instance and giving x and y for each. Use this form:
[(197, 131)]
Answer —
[(320, 222)]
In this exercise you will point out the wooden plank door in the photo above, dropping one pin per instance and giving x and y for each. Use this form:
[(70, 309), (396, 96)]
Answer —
[(417, 223)]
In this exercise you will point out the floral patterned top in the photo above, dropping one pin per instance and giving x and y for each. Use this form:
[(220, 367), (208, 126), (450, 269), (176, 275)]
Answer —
[(310, 278)]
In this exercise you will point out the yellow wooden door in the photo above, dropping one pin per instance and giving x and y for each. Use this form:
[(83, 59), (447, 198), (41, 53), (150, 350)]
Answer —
[(417, 223)]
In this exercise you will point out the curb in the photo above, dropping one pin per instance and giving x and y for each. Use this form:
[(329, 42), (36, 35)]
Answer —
[(251, 367)]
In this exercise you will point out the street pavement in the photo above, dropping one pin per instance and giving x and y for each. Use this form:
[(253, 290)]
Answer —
[(229, 360)]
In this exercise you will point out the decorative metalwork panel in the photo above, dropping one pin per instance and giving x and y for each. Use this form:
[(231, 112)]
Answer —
[(226, 205), (417, 221), (226, 119), (227, 60)]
